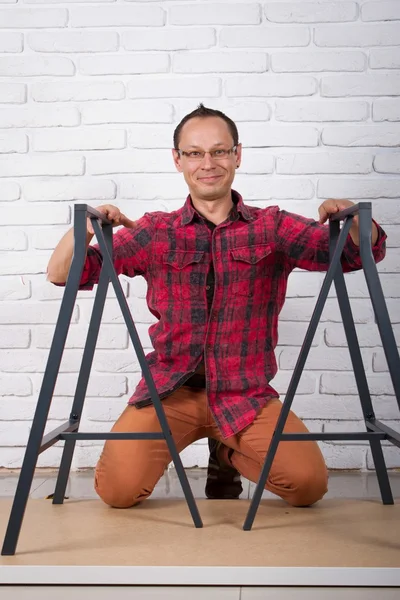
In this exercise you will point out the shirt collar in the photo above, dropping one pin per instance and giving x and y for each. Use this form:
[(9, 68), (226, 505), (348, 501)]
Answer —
[(189, 212)]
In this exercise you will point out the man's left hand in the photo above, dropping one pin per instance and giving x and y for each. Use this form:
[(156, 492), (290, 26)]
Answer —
[(331, 207)]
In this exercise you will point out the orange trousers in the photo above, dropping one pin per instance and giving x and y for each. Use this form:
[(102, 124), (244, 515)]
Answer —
[(128, 470)]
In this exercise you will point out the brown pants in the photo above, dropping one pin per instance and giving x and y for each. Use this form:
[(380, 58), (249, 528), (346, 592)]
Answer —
[(128, 470)]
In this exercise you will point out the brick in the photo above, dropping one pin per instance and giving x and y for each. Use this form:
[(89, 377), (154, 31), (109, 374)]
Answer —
[(141, 187), (69, 189), (303, 285), (268, 136), (344, 407), (380, 11), (151, 136), (384, 58), (9, 191), (24, 166), (205, 87), (83, 139), (391, 263), (11, 42), (12, 385), (14, 337), (217, 62), (33, 312), (321, 359), (116, 362), (260, 188), (393, 239), (104, 386), (78, 91), (110, 337), (14, 433), (379, 362), (307, 384), (12, 458), (43, 214), (29, 18), (131, 161), (348, 427), (332, 383), (13, 240), (361, 135), (264, 37), (387, 84), (364, 35), (246, 110), (44, 290), (169, 39), (38, 116), (113, 16), (256, 161), (346, 188), (326, 162), (12, 93), (11, 142), (386, 109), (14, 288), (293, 334), (34, 361), (18, 265), (321, 110), (124, 64), (343, 457), (310, 12), (307, 62), (215, 14), (74, 41), (32, 66), (127, 112), (387, 163), (273, 85), (387, 212), (300, 309)]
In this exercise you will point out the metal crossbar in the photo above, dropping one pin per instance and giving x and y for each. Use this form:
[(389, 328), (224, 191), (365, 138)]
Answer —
[(376, 431), (37, 442)]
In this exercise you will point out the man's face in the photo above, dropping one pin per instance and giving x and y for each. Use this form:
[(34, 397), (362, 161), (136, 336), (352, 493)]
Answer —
[(209, 178)]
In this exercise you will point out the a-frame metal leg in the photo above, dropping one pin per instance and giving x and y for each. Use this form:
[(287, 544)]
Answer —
[(287, 403), (149, 378), (45, 396), (81, 386)]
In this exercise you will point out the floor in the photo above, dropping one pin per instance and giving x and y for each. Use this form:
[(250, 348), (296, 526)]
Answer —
[(342, 484)]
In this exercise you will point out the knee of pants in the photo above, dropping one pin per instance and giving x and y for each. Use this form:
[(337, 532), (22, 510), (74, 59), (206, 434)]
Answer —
[(121, 492), (307, 488)]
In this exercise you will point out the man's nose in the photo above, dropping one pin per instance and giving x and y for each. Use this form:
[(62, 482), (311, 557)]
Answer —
[(208, 162)]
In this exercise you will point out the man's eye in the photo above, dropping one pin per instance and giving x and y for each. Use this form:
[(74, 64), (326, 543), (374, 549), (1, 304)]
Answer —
[(220, 152), (194, 154)]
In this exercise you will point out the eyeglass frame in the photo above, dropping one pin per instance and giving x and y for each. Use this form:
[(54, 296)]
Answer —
[(185, 153)]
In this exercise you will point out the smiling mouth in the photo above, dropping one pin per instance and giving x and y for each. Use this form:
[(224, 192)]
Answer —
[(211, 178)]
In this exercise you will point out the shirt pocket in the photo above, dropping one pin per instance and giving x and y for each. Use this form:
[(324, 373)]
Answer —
[(252, 270), (183, 276)]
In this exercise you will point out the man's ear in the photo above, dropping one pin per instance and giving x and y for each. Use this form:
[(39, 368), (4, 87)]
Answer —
[(238, 155), (177, 160)]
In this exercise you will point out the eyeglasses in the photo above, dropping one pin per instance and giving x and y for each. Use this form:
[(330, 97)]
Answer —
[(198, 155)]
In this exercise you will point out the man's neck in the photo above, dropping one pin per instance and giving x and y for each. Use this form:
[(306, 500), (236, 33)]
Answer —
[(216, 211)]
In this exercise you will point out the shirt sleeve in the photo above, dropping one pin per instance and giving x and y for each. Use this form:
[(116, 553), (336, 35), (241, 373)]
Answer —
[(131, 253), (305, 244)]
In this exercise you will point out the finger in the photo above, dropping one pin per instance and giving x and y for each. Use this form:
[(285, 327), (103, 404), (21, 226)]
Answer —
[(323, 214), (126, 222)]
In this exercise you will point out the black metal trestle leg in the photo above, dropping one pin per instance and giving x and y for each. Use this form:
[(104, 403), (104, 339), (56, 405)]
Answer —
[(375, 431), (68, 432)]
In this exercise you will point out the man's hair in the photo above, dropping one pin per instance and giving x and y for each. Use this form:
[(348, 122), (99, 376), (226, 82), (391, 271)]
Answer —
[(204, 112)]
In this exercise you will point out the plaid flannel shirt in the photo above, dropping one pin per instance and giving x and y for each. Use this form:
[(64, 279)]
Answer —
[(253, 252)]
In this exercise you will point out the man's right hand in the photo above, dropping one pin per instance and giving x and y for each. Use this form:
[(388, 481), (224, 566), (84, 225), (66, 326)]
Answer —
[(114, 215)]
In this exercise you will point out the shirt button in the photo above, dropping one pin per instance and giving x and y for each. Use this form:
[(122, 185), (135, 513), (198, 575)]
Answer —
[(208, 287)]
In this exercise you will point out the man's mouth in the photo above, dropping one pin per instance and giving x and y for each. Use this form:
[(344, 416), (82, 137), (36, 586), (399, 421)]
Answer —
[(210, 179)]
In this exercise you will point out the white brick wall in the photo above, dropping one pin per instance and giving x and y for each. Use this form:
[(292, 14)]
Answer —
[(90, 93)]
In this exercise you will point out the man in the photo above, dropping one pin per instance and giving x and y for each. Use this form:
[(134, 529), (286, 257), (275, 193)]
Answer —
[(217, 272)]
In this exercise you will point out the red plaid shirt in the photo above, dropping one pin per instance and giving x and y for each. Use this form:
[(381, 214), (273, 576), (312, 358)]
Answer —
[(253, 253)]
